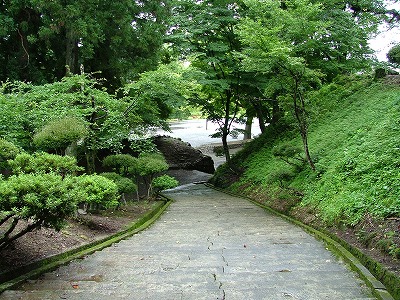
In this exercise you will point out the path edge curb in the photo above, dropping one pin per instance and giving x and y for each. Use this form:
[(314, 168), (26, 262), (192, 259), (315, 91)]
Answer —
[(377, 287), (51, 263)]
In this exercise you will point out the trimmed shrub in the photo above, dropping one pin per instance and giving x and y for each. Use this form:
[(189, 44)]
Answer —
[(59, 134), (96, 190), (7, 151), (42, 199), (42, 162), (164, 182)]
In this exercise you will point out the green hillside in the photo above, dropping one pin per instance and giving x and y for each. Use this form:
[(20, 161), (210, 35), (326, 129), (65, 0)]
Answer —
[(354, 140)]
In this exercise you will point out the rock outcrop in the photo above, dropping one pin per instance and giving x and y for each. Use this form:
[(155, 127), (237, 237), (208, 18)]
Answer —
[(181, 155)]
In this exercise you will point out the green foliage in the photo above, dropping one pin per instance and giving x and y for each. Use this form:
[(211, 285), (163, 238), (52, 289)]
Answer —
[(42, 162), (356, 153), (125, 185), (149, 165), (164, 91), (54, 115), (225, 85), (289, 153), (282, 176), (123, 164), (143, 145), (96, 190), (39, 38), (164, 182), (388, 245), (394, 54), (7, 151), (59, 134), (43, 199), (46, 198)]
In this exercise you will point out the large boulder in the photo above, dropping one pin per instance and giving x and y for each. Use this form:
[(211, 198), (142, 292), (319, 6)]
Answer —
[(181, 155)]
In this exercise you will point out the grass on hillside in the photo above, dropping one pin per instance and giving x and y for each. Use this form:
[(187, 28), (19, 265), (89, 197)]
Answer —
[(354, 139)]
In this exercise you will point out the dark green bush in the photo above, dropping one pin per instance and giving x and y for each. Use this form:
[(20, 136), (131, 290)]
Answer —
[(123, 164)]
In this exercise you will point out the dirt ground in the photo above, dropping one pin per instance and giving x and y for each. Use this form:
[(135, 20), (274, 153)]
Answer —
[(79, 231)]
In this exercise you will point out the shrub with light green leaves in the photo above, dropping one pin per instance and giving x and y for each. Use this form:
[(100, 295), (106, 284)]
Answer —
[(7, 151), (42, 162), (59, 134), (122, 164), (96, 190), (124, 184), (149, 165), (164, 182), (42, 199)]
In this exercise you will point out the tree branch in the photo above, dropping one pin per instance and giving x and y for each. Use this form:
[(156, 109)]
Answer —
[(6, 218)]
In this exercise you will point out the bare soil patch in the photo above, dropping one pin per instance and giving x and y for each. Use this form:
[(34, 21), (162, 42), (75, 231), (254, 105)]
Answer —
[(84, 229)]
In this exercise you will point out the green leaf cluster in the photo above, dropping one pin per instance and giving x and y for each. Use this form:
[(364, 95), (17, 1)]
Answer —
[(164, 182), (7, 151), (356, 154), (42, 162), (124, 184), (59, 134), (97, 190), (46, 199)]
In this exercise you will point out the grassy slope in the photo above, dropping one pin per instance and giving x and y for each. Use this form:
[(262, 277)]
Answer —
[(355, 142), (354, 139)]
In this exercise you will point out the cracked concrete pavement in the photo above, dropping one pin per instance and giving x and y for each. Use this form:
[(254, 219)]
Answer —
[(207, 245)]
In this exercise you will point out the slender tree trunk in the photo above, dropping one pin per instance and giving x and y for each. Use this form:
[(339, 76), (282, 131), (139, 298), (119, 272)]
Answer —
[(6, 218), (90, 161), (247, 133), (5, 240), (300, 114), (225, 129), (90, 141)]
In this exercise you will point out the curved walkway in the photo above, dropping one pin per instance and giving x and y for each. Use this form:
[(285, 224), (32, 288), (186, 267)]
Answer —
[(207, 245)]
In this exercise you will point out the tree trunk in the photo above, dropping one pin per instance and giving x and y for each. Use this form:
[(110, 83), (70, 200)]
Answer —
[(225, 128), (90, 161), (71, 52), (6, 240), (247, 133), (259, 114), (300, 114)]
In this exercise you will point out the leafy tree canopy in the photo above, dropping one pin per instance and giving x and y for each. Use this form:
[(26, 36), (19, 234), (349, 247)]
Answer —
[(394, 55), (38, 38)]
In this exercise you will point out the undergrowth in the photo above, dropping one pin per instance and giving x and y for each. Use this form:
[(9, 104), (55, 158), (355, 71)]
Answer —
[(354, 140)]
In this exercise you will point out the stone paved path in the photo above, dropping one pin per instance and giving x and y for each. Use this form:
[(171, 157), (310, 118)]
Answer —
[(207, 245)]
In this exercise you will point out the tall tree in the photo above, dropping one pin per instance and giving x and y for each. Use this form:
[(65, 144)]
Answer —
[(297, 44), (39, 38), (204, 32)]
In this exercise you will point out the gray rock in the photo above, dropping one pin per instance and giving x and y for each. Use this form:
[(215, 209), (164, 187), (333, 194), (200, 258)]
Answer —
[(181, 155)]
